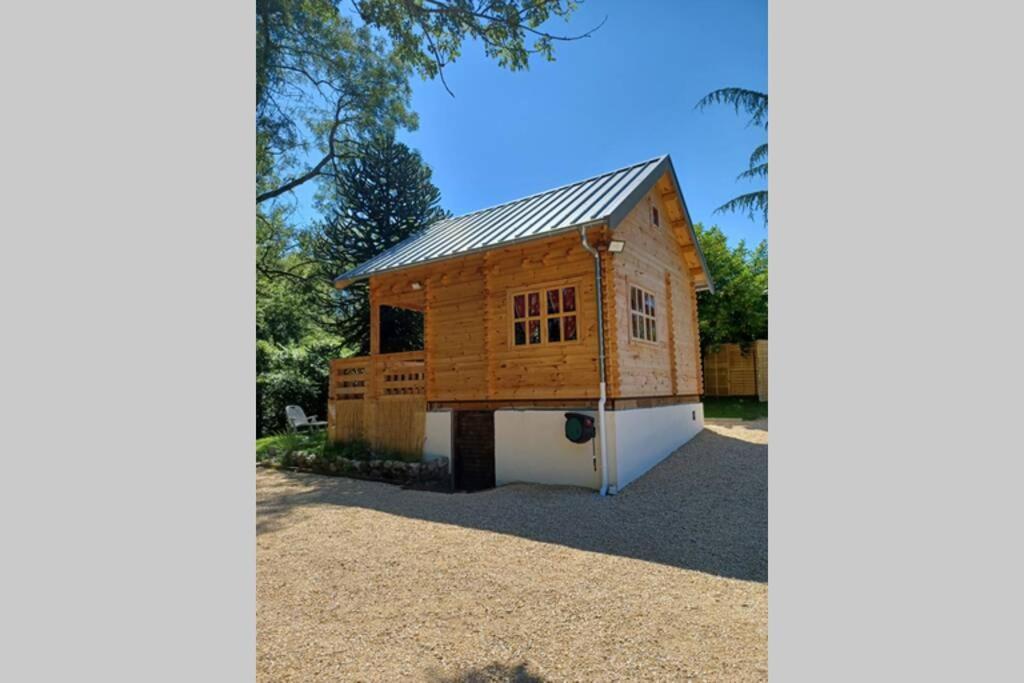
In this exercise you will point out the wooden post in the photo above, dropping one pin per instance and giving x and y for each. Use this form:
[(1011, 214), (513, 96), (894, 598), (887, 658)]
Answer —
[(374, 319), (673, 356), (428, 343), (696, 329), (489, 386), (372, 377), (611, 323)]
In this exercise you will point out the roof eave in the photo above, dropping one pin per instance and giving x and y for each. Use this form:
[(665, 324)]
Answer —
[(630, 201), (346, 279)]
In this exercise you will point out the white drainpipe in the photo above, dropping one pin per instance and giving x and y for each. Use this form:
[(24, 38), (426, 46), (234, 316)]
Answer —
[(600, 359)]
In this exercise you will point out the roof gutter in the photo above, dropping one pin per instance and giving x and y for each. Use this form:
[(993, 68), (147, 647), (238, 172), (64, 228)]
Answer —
[(600, 359)]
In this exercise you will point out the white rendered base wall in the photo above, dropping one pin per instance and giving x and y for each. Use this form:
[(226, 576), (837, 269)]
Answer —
[(530, 446), (643, 437), (438, 443)]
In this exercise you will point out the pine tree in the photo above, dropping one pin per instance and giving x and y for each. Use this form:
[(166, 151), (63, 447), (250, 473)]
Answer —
[(379, 197)]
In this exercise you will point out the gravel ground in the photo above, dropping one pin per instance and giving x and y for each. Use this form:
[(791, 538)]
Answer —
[(363, 581)]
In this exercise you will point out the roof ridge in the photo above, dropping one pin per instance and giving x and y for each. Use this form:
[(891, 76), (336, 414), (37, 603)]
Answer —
[(553, 189)]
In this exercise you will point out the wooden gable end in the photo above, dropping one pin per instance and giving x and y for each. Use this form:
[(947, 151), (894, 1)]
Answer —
[(661, 260)]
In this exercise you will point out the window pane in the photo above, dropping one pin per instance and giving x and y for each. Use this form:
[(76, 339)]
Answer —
[(569, 299), (636, 326), (520, 306), (534, 298), (552, 301), (654, 330), (570, 328), (647, 328), (632, 299), (535, 332), (554, 330), (520, 334), (651, 303)]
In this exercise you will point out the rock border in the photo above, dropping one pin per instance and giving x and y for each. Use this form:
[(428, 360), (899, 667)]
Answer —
[(389, 471)]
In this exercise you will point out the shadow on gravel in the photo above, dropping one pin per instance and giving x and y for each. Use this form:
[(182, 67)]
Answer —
[(703, 508), (493, 673)]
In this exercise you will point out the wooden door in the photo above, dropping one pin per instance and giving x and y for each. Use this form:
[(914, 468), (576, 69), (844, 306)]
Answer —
[(473, 448)]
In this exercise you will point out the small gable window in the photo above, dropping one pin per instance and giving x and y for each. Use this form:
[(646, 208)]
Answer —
[(643, 315), (654, 216), (545, 316)]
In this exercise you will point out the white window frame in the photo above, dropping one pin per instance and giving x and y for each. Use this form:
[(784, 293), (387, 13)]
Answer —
[(648, 330)]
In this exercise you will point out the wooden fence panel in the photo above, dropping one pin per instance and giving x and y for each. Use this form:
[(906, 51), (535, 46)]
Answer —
[(731, 372), (761, 351)]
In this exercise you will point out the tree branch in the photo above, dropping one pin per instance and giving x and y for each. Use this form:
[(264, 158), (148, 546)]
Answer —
[(316, 170)]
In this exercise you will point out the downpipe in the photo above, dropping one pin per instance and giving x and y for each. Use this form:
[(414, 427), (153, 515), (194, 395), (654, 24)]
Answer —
[(600, 359)]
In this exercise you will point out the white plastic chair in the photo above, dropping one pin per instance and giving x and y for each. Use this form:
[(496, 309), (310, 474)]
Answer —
[(297, 419)]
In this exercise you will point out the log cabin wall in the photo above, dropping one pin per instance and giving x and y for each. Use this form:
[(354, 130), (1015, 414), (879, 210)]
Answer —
[(654, 259), (468, 323), (456, 356), (470, 355), (545, 371)]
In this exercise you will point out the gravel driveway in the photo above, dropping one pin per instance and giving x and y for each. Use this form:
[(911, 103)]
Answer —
[(362, 581)]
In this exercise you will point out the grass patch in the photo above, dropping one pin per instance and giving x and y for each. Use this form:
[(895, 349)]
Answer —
[(290, 441), (742, 407)]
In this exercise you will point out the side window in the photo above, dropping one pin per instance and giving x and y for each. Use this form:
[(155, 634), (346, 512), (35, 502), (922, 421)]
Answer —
[(643, 320), (545, 316)]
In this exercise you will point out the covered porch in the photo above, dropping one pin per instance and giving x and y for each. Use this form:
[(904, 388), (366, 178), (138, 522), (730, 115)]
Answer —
[(381, 397)]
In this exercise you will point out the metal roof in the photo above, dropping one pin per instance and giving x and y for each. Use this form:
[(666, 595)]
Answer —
[(605, 198)]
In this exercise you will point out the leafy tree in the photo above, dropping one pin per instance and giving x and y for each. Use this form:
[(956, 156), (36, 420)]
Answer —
[(294, 373), (738, 310), (378, 199), (755, 105), (321, 81), (428, 34), (332, 80)]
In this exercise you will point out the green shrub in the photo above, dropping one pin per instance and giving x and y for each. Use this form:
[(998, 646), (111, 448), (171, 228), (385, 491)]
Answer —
[(314, 452), (279, 446), (356, 449), (295, 374)]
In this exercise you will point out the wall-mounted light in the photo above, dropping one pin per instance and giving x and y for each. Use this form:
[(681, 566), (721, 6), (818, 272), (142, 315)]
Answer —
[(615, 246), (417, 285)]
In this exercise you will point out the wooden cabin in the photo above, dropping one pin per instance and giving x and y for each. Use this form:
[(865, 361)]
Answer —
[(513, 328)]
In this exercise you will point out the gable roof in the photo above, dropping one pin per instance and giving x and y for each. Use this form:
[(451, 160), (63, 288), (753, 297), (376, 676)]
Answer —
[(603, 199)]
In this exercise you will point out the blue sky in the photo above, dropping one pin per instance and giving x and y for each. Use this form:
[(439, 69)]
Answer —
[(624, 95)]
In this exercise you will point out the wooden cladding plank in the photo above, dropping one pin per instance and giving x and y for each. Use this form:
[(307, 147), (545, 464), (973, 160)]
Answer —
[(457, 334), (672, 351)]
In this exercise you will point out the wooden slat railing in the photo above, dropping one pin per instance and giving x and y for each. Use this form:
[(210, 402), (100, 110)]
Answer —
[(350, 379), (382, 376), (400, 374)]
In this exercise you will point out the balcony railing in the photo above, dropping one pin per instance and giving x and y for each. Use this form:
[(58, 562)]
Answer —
[(378, 377)]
